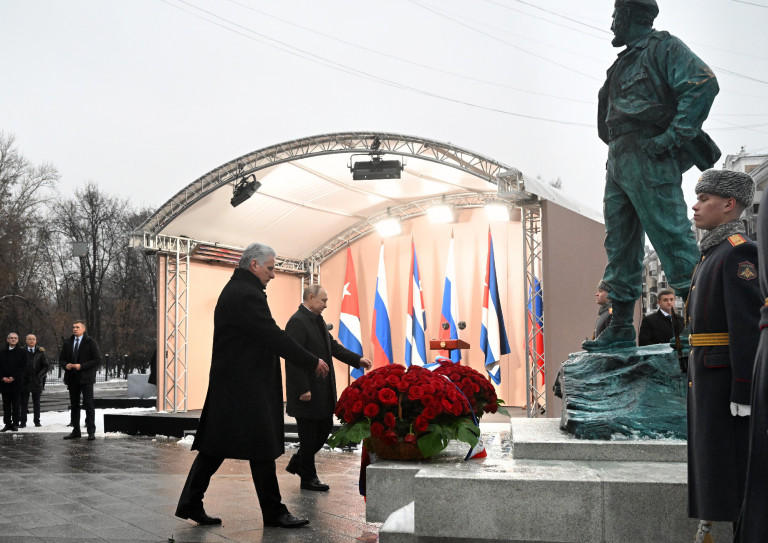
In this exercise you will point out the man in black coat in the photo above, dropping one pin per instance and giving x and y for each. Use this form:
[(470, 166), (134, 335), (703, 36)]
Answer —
[(753, 524), (662, 325), (11, 375), (311, 400), (35, 374), (80, 357), (243, 412), (723, 317)]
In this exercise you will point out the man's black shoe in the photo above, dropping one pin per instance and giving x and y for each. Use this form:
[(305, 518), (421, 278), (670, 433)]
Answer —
[(38, 424), (6, 428), (293, 465), (314, 484), (286, 520), (198, 516), (91, 437), (23, 425), (14, 428), (73, 435)]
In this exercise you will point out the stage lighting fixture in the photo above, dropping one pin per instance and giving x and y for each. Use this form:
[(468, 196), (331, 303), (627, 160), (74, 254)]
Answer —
[(376, 168), (497, 212), (244, 189), (388, 227), (441, 214)]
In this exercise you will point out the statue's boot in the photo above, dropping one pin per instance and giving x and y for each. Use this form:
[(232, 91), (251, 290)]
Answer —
[(619, 335), (703, 535)]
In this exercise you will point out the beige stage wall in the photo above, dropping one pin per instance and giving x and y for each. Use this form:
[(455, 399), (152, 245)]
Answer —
[(470, 247)]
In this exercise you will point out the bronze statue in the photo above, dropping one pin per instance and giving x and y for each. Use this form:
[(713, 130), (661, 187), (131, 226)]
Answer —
[(651, 108)]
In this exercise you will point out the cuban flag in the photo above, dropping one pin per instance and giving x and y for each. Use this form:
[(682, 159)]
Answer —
[(449, 313), (381, 335), (416, 319), (536, 326), (493, 333), (349, 321)]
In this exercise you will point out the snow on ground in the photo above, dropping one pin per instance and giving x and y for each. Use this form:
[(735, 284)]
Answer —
[(56, 421)]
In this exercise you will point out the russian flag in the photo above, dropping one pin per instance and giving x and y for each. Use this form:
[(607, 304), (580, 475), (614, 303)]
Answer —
[(416, 319), (349, 321), (493, 333), (381, 335), (449, 313)]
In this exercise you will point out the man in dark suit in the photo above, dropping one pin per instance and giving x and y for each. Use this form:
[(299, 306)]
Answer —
[(11, 375), (723, 317), (243, 412), (34, 379), (311, 400), (80, 358), (662, 325)]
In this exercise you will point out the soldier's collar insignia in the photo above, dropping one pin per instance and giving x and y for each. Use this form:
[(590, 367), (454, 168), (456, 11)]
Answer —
[(747, 271), (736, 239)]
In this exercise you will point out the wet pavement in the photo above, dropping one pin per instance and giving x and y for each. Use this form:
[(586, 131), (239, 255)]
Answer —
[(124, 489)]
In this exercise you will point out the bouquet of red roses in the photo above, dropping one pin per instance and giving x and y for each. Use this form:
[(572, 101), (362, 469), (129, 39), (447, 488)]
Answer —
[(476, 388), (411, 405)]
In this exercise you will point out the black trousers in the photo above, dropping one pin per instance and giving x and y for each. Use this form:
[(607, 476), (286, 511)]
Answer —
[(75, 390), (11, 406), (35, 404), (264, 479), (313, 434)]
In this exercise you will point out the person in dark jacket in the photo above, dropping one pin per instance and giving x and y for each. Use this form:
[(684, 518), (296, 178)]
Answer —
[(604, 312), (35, 374), (243, 411), (723, 318), (11, 375), (661, 325), (80, 357), (753, 524), (311, 400)]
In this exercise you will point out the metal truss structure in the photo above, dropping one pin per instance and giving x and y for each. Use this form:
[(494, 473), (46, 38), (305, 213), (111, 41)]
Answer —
[(178, 251), (536, 397)]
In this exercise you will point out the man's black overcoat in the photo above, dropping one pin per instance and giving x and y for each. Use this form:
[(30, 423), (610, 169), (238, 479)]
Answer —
[(243, 412), (310, 331), (11, 365), (725, 298), (656, 328), (753, 525), (88, 356)]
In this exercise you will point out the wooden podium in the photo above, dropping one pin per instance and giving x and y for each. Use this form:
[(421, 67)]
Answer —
[(447, 344)]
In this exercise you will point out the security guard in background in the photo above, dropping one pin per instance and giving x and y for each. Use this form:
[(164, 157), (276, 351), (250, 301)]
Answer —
[(723, 316)]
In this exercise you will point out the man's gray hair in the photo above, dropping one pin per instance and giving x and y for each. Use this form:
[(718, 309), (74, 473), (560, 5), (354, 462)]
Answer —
[(311, 290), (258, 252)]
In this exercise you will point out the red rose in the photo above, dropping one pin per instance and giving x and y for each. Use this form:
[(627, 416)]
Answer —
[(357, 406), (421, 424), (428, 388), (409, 438), (415, 392), (446, 404), (403, 385), (387, 396), (428, 400), (389, 420), (371, 410), (429, 413), (457, 408), (455, 377), (393, 380), (377, 429), (349, 417), (390, 436)]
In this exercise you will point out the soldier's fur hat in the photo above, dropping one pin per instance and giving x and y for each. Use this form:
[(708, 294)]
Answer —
[(602, 285), (650, 5), (728, 184)]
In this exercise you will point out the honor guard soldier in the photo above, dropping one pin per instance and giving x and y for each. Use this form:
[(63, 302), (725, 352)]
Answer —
[(723, 312)]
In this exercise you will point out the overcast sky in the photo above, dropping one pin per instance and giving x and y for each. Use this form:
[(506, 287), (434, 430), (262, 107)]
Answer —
[(145, 96)]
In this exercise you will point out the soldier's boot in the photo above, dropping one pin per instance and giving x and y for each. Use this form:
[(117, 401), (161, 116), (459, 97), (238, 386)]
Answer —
[(620, 334), (703, 535)]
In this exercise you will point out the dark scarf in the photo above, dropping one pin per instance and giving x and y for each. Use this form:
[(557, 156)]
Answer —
[(720, 233)]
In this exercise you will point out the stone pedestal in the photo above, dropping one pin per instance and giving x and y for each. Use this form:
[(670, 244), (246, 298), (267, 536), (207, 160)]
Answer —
[(638, 392)]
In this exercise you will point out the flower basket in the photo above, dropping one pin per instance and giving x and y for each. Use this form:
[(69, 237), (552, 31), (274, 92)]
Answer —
[(398, 450)]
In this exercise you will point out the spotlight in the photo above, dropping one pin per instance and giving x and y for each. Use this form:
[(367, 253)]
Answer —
[(244, 189), (389, 227), (497, 212), (441, 214), (376, 168)]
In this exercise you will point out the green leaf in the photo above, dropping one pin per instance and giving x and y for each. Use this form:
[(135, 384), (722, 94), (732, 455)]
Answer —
[(432, 441), (350, 433), (468, 432), (503, 411)]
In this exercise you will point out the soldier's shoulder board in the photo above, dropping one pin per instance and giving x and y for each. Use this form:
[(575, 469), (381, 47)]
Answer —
[(737, 239)]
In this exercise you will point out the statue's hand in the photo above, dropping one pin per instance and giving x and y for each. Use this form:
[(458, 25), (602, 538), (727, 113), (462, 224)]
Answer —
[(658, 145)]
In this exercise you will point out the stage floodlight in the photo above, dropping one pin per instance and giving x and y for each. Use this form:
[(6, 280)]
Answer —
[(441, 214), (497, 212), (388, 227), (376, 168), (244, 190)]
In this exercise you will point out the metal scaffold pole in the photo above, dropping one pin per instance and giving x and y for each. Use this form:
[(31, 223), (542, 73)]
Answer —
[(536, 398)]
